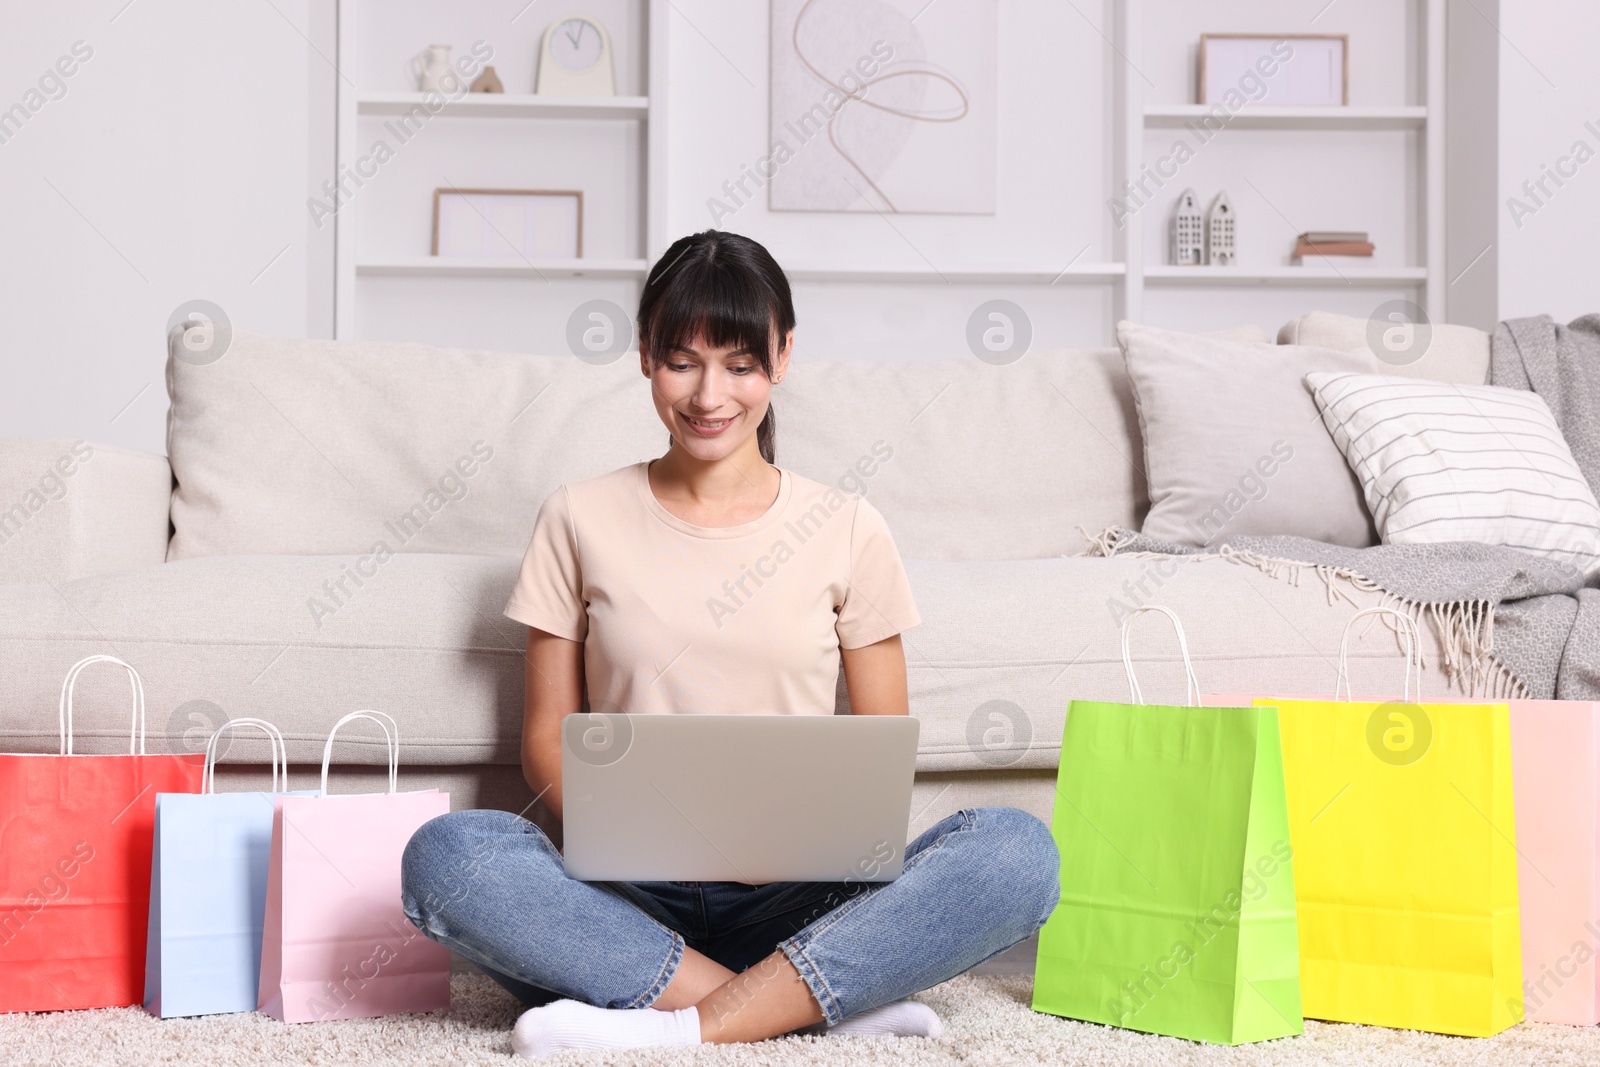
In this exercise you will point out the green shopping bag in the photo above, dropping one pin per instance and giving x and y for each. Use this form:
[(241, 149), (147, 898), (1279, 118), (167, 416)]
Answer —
[(1177, 911)]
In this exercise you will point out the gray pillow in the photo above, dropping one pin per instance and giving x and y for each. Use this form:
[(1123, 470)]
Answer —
[(1233, 442)]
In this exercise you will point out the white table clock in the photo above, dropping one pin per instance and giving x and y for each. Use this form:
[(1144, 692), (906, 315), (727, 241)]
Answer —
[(575, 59)]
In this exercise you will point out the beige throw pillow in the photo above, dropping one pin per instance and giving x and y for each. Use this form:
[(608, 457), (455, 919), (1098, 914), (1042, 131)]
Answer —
[(1233, 442)]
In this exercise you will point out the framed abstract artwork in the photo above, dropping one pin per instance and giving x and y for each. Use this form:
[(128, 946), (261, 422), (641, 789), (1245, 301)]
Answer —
[(884, 107)]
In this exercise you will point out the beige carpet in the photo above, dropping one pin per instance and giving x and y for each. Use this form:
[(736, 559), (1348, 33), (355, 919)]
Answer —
[(987, 1022)]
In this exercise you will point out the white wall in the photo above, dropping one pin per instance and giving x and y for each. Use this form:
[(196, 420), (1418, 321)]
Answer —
[(179, 161), (1549, 261), (174, 167)]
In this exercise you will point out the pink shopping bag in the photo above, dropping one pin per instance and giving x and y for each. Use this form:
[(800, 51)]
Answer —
[(1554, 755), (335, 942)]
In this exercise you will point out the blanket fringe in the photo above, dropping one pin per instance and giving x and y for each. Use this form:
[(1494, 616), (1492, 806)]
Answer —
[(1104, 543), (1465, 628)]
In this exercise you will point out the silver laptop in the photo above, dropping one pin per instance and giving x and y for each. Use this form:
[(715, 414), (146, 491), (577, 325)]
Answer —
[(736, 798)]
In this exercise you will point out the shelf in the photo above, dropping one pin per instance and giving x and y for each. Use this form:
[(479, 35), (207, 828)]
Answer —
[(1355, 275), (511, 106), (1178, 116), (1078, 272), (436, 267)]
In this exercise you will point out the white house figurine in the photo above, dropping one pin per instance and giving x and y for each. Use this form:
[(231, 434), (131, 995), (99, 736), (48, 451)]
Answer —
[(1219, 232), (1188, 241)]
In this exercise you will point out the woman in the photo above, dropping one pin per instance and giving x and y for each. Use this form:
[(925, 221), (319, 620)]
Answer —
[(638, 589)]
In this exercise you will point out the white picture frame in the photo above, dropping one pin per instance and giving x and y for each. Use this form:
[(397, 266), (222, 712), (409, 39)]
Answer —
[(1253, 67), (525, 224)]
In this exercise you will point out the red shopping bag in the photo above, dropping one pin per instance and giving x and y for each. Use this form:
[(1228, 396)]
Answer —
[(75, 839)]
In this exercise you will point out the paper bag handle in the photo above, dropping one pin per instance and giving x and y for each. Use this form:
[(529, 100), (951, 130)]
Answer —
[(136, 734), (1408, 630), (391, 733), (280, 753), (1191, 682)]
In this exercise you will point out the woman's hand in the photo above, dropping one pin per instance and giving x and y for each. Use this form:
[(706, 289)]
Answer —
[(552, 690)]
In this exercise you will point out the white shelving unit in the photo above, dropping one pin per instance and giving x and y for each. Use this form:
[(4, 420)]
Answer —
[(1424, 119), (367, 108), (491, 140)]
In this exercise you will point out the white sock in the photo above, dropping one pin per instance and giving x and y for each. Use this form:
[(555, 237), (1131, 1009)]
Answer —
[(572, 1024), (903, 1018)]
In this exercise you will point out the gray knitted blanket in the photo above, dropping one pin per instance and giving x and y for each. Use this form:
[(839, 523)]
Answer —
[(1562, 365), (1512, 624)]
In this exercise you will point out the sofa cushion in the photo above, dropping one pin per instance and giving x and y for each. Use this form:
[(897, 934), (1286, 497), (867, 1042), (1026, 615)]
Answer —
[(317, 447), (70, 508), (984, 461), (1249, 333), (1034, 635), (291, 639), (1232, 442), (1458, 354), (1003, 647)]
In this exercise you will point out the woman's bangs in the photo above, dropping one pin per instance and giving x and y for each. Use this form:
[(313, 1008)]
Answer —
[(717, 306)]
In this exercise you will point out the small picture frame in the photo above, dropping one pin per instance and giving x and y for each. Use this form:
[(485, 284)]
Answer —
[(508, 223), (1274, 69)]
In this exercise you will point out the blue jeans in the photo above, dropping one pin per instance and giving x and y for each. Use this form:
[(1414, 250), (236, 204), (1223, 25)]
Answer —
[(491, 886)]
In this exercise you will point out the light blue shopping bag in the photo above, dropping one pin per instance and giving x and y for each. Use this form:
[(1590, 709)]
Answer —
[(208, 891)]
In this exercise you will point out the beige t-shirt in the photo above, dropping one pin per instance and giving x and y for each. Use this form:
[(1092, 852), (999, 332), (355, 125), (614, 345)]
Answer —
[(682, 618)]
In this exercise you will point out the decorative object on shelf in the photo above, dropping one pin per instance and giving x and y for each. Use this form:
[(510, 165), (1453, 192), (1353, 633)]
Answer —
[(1274, 69), (1332, 243), (487, 82), (1188, 232), (432, 66), (524, 224), (870, 112), (1219, 232), (575, 59)]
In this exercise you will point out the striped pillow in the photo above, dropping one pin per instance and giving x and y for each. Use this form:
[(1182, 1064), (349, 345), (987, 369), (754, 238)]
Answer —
[(1442, 462)]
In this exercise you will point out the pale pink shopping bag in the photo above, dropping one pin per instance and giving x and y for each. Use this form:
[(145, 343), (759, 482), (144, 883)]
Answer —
[(335, 943), (1555, 748)]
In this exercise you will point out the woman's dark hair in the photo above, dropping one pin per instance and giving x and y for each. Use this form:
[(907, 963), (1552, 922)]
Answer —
[(725, 288)]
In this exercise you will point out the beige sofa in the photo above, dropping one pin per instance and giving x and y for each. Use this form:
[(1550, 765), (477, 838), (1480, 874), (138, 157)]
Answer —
[(347, 518)]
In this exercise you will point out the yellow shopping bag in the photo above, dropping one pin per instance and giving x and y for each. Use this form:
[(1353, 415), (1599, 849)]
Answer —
[(1405, 861)]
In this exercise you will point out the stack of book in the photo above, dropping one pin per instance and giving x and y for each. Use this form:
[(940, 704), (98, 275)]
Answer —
[(1332, 243)]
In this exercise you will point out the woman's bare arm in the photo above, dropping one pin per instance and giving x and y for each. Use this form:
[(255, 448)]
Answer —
[(552, 690), (875, 676)]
